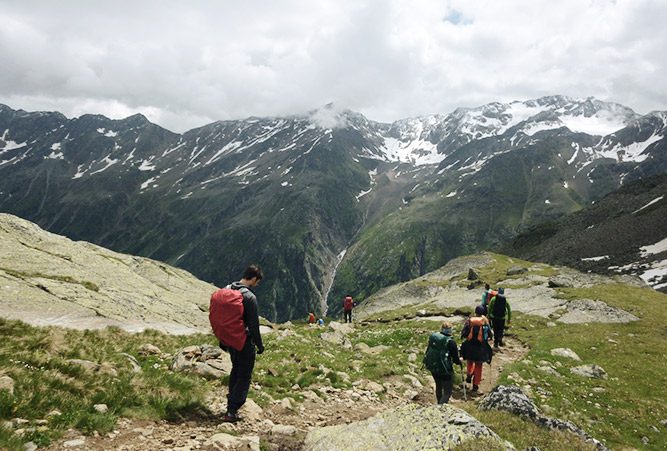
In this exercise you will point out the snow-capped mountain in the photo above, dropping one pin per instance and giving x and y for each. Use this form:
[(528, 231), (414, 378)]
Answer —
[(296, 192)]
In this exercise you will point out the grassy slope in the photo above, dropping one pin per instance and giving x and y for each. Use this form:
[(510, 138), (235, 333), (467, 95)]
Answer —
[(632, 355)]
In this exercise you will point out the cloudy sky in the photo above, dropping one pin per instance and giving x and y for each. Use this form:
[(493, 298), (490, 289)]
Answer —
[(187, 63)]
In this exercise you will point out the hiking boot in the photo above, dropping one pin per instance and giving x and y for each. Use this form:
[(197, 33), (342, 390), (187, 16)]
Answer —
[(475, 388), (231, 417), (469, 378)]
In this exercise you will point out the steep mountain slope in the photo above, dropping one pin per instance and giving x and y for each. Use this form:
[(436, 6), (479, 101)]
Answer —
[(625, 232), (304, 194), (46, 279)]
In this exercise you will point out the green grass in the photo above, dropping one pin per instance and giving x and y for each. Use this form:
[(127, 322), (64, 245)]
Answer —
[(632, 354), (36, 359)]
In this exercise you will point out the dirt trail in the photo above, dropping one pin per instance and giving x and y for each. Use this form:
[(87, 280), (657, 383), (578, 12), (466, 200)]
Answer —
[(338, 408)]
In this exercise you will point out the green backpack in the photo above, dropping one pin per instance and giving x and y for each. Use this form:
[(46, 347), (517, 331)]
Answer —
[(437, 359)]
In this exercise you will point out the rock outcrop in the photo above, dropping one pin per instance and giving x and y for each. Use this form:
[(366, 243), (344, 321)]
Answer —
[(407, 427), (512, 399), (47, 279)]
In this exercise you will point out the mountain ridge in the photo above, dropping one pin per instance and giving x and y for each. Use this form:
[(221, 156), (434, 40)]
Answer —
[(297, 192)]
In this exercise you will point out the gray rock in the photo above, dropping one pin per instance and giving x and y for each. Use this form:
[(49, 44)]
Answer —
[(7, 384), (74, 443), (101, 408), (149, 349), (231, 442), (589, 311), (549, 370), (516, 270), (88, 287), (283, 429), (408, 427), (592, 371), (511, 399), (30, 446), (565, 352), (337, 338), (206, 360), (343, 328)]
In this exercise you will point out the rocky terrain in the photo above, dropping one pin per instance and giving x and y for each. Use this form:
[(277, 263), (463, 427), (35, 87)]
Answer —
[(557, 383), (46, 279)]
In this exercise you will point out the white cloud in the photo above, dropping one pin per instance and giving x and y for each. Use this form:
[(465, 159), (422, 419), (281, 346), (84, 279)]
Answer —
[(184, 64)]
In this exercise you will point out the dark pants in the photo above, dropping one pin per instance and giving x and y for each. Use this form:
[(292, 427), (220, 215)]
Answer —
[(243, 362), (443, 387), (498, 331), (348, 316)]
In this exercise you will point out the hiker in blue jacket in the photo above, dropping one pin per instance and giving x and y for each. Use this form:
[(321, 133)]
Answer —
[(439, 358)]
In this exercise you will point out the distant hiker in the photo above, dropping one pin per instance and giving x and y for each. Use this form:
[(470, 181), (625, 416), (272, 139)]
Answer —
[(439, 358), (499, 312), (486, 296), (311, 318), (475, 349), (348, 305), (320, 322), (235, 321)]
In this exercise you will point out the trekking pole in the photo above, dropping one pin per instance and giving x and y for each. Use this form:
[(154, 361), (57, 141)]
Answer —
[(463, 382)]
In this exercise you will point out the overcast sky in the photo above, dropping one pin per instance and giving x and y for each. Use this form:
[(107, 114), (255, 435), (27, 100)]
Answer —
[(187, 63)]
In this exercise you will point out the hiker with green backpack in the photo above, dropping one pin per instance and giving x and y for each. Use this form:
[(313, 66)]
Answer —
[(440, 357)]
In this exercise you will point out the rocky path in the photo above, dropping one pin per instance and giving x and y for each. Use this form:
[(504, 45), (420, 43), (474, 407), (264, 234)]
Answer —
[(282, 425)]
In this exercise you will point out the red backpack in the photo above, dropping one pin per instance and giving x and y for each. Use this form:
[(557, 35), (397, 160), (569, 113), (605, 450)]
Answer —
[(347, 303), (226, 317)]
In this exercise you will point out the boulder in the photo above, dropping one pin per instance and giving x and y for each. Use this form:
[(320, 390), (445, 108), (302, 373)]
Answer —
[(565, 352), (592, 371), (149, 349), (344, 328), (252, 411), (101, 408), (222, 441), (516, 270), (590, 311), (407, 427), (337, 338), (283, 429), (206, 360), (7, 384)]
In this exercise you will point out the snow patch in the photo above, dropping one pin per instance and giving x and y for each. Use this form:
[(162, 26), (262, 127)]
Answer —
[(109, 162), (660, 246), (657, 199), (595, 259), (146, 165), (55, 156)]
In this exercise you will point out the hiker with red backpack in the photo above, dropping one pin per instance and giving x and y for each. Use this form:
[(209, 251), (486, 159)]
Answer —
[(440, 356), (475, 349), (348, 305), (499, 312), (235, 322)]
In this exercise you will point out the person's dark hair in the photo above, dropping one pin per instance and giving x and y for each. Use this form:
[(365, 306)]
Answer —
[(487, 286), (253, 271)]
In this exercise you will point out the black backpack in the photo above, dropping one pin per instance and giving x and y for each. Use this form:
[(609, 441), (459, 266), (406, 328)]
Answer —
[(499, 306), (437, 359)]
